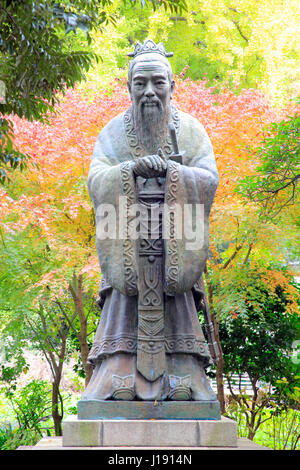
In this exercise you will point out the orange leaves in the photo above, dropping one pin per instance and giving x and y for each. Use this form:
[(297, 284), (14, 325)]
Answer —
[(52, 194), (275, 279)]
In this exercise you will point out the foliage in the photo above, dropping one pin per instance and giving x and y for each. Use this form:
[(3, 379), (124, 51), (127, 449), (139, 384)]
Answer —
[(39, 58), (274, 186), (279, 431), (256, 336), (48, 222), (31, 405), (245, 44), (14, 438), (35, 62), (6, 433), (12, 361)]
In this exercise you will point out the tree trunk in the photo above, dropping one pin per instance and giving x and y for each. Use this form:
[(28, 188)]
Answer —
[(77, 294), (219, 369), (56, 402), (88, 368), (57, 418), (220, 364)]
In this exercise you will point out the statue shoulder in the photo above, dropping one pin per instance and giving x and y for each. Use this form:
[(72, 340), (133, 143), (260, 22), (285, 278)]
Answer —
[(190, 124), (192, 136), (111, 140), (115, 125)]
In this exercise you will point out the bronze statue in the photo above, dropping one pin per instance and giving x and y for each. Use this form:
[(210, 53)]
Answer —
[(149, 345)]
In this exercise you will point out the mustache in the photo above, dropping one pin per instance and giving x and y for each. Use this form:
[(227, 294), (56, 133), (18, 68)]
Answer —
[(153, 100)]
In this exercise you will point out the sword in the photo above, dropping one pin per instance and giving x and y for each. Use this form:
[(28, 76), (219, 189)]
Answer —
[(176, 155)]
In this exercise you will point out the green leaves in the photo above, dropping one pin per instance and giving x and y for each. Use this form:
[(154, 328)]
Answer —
[(9, 156), (40, 55), (274, 186)]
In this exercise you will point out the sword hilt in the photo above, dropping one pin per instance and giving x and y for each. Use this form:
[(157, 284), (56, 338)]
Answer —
[(176, 155)]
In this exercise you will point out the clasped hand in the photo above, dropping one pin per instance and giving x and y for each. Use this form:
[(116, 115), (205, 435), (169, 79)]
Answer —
[(151, 165)]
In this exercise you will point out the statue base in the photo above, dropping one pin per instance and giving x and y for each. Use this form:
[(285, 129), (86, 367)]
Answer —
[(113, 409), (149, 433)]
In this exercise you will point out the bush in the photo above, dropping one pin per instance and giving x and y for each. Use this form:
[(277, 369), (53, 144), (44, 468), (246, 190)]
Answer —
[(257, 338), (31, 405)]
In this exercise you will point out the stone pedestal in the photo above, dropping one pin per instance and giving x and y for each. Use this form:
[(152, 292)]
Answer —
[(155, 433), (121, 409)]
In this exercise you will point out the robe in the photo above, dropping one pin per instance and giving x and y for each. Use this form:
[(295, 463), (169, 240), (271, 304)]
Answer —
[(111, 183)]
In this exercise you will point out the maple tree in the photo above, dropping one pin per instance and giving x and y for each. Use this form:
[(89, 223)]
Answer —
[(257, 336), (49, 211), (39, 58), (275, 184)]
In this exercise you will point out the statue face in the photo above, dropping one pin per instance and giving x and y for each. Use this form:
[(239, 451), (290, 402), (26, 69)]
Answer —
[(150, 85)]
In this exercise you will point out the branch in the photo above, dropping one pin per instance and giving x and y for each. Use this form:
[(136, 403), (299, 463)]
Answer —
[(178, 18), (248, 254), (276, 191), (240, 31), (50, 352), (51, 360), (69, 321), (238, 248)]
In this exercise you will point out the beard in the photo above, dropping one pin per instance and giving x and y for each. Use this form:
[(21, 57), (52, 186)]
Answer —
[(151, 124)]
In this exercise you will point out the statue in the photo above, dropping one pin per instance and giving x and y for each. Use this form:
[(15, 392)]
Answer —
[(149, 345)]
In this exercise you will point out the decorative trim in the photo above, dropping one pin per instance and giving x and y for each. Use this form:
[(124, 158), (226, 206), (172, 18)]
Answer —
[(112, 344), (128, 190), (186, 344), (128, 343), (172, 259)]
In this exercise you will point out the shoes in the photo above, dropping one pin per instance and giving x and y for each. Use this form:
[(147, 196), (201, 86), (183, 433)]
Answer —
[(180, 388), (123, 387)]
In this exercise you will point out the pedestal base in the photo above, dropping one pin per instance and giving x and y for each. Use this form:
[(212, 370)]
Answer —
[(113, 409), (153, 433)]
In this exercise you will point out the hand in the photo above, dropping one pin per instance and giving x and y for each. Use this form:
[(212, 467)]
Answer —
[(151, 165)]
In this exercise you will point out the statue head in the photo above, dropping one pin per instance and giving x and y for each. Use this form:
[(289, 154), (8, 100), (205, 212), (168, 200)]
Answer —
[(150, 85)]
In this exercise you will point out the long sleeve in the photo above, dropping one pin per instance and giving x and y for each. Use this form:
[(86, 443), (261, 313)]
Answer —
[(190, 191)]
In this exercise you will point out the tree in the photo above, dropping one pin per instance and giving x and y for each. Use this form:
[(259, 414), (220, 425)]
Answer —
[(246, 44), (39, 59), (51, 209), (257, 336), (82, 313), (274, 186), (50, 333), (42, 322)]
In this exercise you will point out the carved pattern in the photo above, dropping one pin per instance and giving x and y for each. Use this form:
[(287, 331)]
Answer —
[(188, 344), (152, 345), (136, 148), (176, 381), (180, 387), (151, 246), (128, 244), (122, 382), (150, 46), (171, 268), (173, 344), (111, 345), (151, 325), (151, 295), (123, 387)]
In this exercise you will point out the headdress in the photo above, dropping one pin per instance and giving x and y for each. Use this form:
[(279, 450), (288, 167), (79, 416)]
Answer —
[(149, 47)]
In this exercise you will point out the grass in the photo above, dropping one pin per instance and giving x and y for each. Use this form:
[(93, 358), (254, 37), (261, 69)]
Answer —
[(280, 432)]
